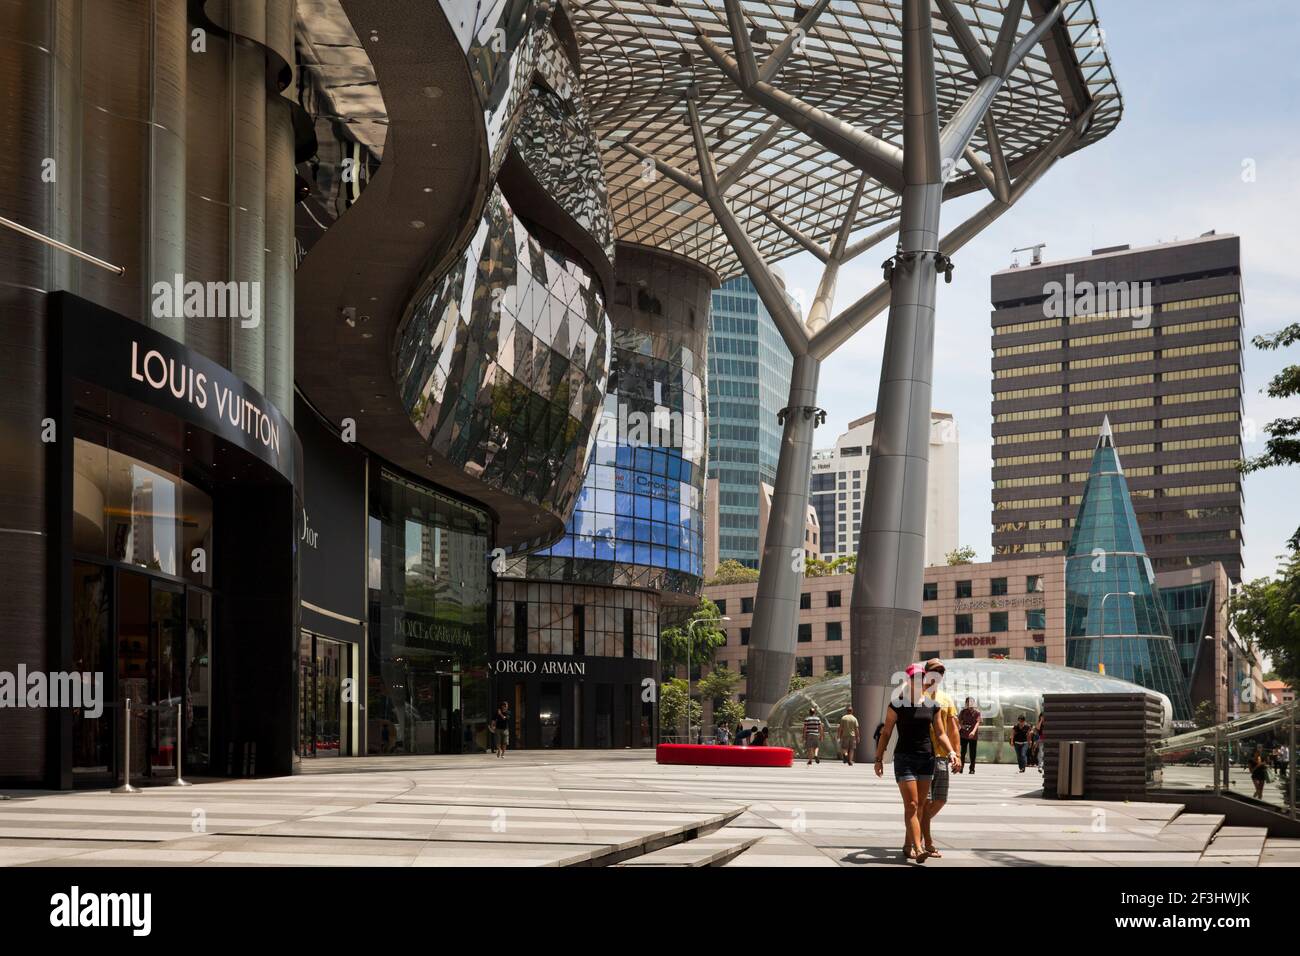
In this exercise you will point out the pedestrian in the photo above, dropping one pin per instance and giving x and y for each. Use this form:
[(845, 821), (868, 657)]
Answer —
[(1020, 740), (724, 735), (969, 721), (847, 735), (1040, 733), (945, 722), (912, 715), (760, 738), (501, 727), (1258, 773), (743, 735), (813, 725)]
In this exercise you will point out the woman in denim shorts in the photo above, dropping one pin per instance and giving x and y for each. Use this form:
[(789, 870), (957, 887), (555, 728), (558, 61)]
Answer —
[(912, 714)]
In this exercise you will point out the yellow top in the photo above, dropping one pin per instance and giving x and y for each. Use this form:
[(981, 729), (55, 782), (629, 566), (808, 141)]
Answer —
[(946, 706)]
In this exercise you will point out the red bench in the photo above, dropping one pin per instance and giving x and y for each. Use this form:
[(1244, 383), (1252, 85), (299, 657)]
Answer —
[(706, 755)]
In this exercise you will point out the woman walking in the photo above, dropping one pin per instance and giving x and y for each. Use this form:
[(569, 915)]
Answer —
[(1258, 773), (913, 715)]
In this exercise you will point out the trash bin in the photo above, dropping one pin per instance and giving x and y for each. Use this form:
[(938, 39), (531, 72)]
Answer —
[(1069, 768)]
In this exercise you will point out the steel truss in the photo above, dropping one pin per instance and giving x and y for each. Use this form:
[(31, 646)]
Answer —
[(885, 611)]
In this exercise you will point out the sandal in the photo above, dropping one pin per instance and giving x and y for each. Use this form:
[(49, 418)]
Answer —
[(932, 851)]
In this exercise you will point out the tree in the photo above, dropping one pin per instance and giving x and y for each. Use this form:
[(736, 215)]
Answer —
[(702, 641), (1266, 613), (1283, 445), (799, 683), (963, 555), (1205, 714), (672, 706), (718, 684), (732, 571), (817, 568), (729, 713)]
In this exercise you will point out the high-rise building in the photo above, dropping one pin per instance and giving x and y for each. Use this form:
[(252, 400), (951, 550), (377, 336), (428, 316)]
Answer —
[(749, 378), (1106, 561), (1151, 337), (839, 480)]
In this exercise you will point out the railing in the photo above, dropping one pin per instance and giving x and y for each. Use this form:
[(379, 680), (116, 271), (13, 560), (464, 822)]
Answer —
[(1252, 756), (130, 709)]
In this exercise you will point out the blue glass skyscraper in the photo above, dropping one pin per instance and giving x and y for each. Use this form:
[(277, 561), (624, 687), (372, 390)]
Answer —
[(749, 379), (1113, 612)]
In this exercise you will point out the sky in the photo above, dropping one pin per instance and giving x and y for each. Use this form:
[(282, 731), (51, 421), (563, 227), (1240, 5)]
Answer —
[(1208, 89)]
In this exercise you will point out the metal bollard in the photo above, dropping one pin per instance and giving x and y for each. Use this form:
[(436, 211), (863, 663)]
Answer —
[(126, 751), (180, 714)]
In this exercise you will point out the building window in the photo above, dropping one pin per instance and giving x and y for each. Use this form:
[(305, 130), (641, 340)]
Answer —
[(930, 591), (805, 601), (834, 664), (803, 666), (744, 668), (999, 652), (744, 636), (722, 607), (521, 627), (579, 629), (998, 622), (1036, 620), (964, 654), (930, 625), (805, 633), (998, 586), (1033, 584), (1036, 654), (747, 605), (832, 598), (963, 589), (964, 623), (627, 632), (834, 631), (926, 655)]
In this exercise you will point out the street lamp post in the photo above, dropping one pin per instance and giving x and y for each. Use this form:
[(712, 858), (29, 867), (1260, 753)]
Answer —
[(690, 647), (1101, 660)]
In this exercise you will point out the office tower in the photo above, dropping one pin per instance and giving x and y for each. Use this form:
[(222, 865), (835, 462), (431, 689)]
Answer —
[(1129, 637), (1151, 337), (839, 478), (749, 376)]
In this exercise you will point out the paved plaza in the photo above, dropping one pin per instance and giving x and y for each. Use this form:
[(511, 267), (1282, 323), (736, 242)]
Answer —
[(574, 808)]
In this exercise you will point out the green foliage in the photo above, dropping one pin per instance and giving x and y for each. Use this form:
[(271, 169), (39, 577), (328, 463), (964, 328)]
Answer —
[(672, 706), (1283, 445), (817, 568), (702, 641), (1204, 715), (799, 683), (963, 555), (1266, 612), (718, 684), (729, 713), (732, 571)]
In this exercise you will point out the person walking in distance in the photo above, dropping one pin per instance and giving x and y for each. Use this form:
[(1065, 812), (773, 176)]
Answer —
[(945, 721), (912, 714), (1020, 740), (813, 725), (847, 735), (968, 723), (501, 724)]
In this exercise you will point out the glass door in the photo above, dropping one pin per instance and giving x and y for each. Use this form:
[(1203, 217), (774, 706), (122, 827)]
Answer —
[(167, 677), (133, 659)]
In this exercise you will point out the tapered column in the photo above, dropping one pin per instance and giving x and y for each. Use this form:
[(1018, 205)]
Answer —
[(776, 606), (886, 609)]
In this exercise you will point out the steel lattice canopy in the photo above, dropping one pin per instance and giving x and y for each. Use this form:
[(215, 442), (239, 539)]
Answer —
[(639, 57)]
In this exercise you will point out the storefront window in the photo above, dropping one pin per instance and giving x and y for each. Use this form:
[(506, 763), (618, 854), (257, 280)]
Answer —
[(428, 688)]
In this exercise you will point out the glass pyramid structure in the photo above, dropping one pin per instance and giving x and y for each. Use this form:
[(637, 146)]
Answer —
[(1107, 564)]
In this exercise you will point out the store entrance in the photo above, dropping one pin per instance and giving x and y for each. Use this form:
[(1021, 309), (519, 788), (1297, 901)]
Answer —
[(325, 702)]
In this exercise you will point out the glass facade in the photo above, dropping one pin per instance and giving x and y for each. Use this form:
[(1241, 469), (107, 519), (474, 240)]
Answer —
[(1188, 610), (1105, 625), (502, 366), (749, 382), (1002, 689), (430, 631)]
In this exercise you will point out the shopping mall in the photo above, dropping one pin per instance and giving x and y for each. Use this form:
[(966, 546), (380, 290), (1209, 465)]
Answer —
[(316, 319)]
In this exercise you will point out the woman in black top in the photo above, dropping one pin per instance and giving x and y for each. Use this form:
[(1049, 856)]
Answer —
[(1020, 740), (913, 714)]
